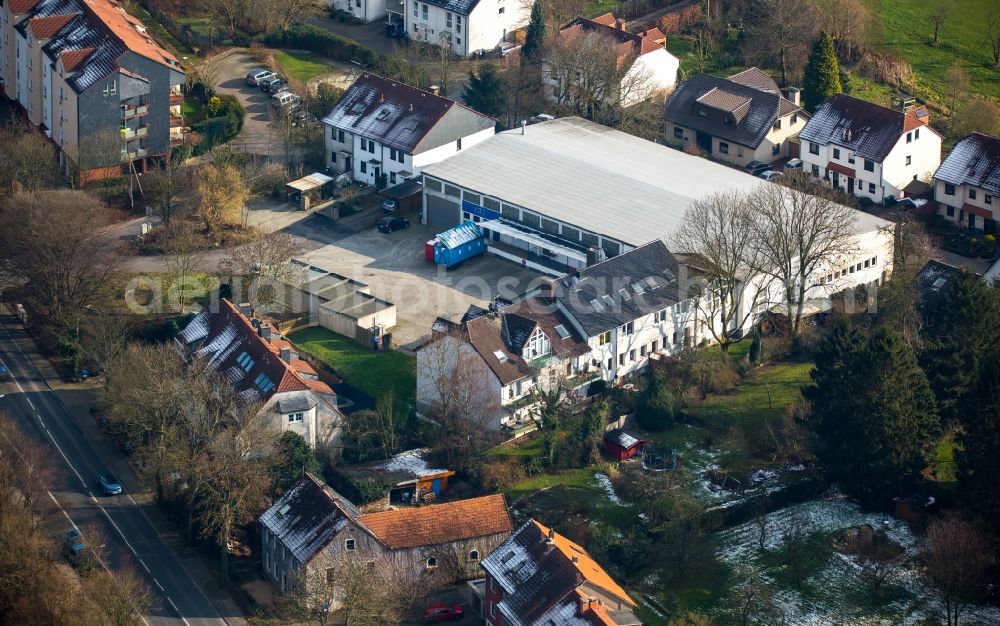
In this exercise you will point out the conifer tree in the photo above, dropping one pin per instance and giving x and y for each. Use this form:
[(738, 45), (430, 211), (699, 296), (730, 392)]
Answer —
[(977, 457), (822, 74), (536, 32), (485, 90)]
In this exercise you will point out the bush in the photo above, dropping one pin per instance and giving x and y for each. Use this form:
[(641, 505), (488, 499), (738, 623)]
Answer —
[(659, 405), (501, 475), (322, 42), (865, 203), (224, 126)]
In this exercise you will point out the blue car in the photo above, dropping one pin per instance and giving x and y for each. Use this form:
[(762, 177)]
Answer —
[(4, 373), (74, 541), (109, 484)]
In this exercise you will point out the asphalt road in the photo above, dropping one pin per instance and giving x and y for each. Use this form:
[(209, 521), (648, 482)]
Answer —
[(130, 534)]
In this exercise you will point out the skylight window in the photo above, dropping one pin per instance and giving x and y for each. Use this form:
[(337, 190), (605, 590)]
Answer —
[(561, 330), (357, 108), (597, 305), (637, 288), (607, 299), (245, 362), (384, 113), (651, 282), (624, 294), (411, 125), (500, 356), (263, 383)]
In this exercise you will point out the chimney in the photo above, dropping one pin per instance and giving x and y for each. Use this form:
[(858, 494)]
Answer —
[(411, 106), (245, 309), (792, 94), (619, 23), (435, 89), (265, 332), (523, 124), (552, 536), (381, 97), (576, 559), (286, 355)]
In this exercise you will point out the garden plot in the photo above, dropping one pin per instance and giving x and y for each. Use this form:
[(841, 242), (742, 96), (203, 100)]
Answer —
[(832, 589)]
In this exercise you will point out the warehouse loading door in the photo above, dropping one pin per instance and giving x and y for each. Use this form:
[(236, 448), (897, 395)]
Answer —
[(442, 212)]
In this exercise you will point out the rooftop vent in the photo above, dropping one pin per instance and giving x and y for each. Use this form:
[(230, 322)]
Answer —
[(283, 511)]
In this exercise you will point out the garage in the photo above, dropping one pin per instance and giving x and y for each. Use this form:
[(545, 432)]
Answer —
[(441, 211)]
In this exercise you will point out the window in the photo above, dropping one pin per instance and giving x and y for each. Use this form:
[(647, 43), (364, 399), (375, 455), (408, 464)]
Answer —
[(867, 262), (245, 362), (836, 153), (813, 147), (909, 159), (642, 350), (795, 119), (458, 144), (364, 167), (972, 220), (777, 125), (621, 359), (500, 11), (874, 260), (392, 177), (916, 134), (851, 269), (357, 3), (661, 315), (425, 12), (653, 345), (349, 545), (951, 211), (109, 89), (294, 417), (815, 170), (451, 190), (333, 157), (702, 113), (447, 19), (723, 147), (474, 555), (458, 25), (850, 159), (628, 328), (340, 136), (678, 132), (949, 189), (871, 188), (604, 338), (987, 198), (909, 137), (416, 9), (869, 165), (775, 150), (631, 355)]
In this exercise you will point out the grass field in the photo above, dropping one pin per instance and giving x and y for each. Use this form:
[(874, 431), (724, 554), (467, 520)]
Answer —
[(907, 30), (375, 373), (763, 395), (163, 36), (300, 65)]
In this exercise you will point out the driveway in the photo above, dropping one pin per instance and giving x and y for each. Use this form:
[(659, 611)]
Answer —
[(256, 136), (370, 35)]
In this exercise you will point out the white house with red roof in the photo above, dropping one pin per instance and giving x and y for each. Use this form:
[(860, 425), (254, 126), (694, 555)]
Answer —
[(870, 151), (651, 67), (381, 127), (264, 369)]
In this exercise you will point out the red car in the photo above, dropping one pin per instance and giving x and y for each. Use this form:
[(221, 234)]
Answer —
[(442, 613)]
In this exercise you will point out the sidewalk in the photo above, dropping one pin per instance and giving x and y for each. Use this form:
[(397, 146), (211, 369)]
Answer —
[(78, 398)]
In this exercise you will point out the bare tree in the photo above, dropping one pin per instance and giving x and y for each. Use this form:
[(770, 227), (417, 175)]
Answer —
[(850, 25), (993, 35), (222, 194), (231, 13), (52, 240), (280, 14), (27, 160), (265, 263), (938, 17), (957, 555), (703, 47), (718, 235), (162, 186), (794, 548), (797, 234), (979, 115), (784, 29), (125, 597), (956, 82), (751, 602)]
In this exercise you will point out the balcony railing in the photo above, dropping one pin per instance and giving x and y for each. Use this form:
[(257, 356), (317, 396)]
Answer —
[(142, 131), (142, 110), (128, 112), (176, 99), (127, 133)]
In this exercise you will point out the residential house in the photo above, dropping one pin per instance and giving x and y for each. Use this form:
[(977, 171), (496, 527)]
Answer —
[(650, 68), (540, 577), (409, 477), (365, 10), (311, 527), (967, 184), (90, 76), (739, 119), (264, 369), (870, 151), (383, 128), (469, 26), (506, 354)]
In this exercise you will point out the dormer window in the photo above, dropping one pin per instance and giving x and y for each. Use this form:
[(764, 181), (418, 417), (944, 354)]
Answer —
[(537, 345)]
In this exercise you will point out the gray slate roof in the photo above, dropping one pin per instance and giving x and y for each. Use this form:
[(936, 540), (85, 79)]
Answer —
[(624, 288), (868, 129), (307, 517), (403, 117), (735, 111), (973, 161), (462, 7)]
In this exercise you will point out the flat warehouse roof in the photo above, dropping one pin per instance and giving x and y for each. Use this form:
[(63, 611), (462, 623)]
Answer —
[(594, 177)]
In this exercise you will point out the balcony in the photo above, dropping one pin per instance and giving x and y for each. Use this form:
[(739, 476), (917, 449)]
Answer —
[(142, 110), (128, 111), (176, 121), (176, 99)]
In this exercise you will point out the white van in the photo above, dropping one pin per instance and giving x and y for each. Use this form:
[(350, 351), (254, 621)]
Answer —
[(285, 100)]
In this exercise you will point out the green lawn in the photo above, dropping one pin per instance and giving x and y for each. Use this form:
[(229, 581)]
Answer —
[(193, 110), (582, 478), (375, 373), (763, 395), (163, 36), (300, 65), (907, 30)]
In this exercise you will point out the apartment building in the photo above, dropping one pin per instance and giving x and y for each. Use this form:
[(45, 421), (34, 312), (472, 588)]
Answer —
[(88, 75), (467, 26)]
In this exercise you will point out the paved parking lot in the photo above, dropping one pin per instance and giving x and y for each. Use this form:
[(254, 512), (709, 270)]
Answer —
[(395, 268), (232, 70)]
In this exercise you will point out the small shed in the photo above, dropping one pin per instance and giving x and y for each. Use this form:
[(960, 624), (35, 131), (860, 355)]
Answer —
[(410, 477), (407, 194), (308, 189), (619, 445), (462, 242)]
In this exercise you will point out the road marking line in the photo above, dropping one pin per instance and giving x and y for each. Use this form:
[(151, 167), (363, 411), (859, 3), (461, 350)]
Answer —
[(158, 584), (186, 623), (144, 566), (29, 402)]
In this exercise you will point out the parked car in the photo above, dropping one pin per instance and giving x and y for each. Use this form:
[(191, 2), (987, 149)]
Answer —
[(769, 175), (911, 203), (109, 484), (253, 75), (390, 205), (303, 118), (262, 75), (756, 167), (73, 541), (4, 373), (395, 30), (442, 613), (390, 224), (285, 100), (506, 48), (793, 164), (271, 85)]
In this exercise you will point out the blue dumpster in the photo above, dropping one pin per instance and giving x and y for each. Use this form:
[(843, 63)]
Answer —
[(458, 244)]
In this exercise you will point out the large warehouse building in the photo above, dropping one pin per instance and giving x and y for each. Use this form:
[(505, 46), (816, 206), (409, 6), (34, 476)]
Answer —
[(563, 194)]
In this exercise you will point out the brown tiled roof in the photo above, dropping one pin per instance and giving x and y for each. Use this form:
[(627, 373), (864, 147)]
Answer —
[(440, 523), (21, 6), (608, 19), (47, 27), (756, 78), (723, 100), (74, 58), (485, 336), (912, 120), (124, 27), (628, 43)]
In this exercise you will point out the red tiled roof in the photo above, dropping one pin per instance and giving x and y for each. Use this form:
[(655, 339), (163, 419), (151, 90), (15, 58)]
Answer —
[(47, 27), (21, 6), (72, 59), (837, 167), (585, 565), (608, 19), (124, 27), (628, 43), (440, 523), (911, 121)]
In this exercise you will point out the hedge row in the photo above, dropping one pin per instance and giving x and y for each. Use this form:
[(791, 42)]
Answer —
[(222, 128), (322, 42)]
